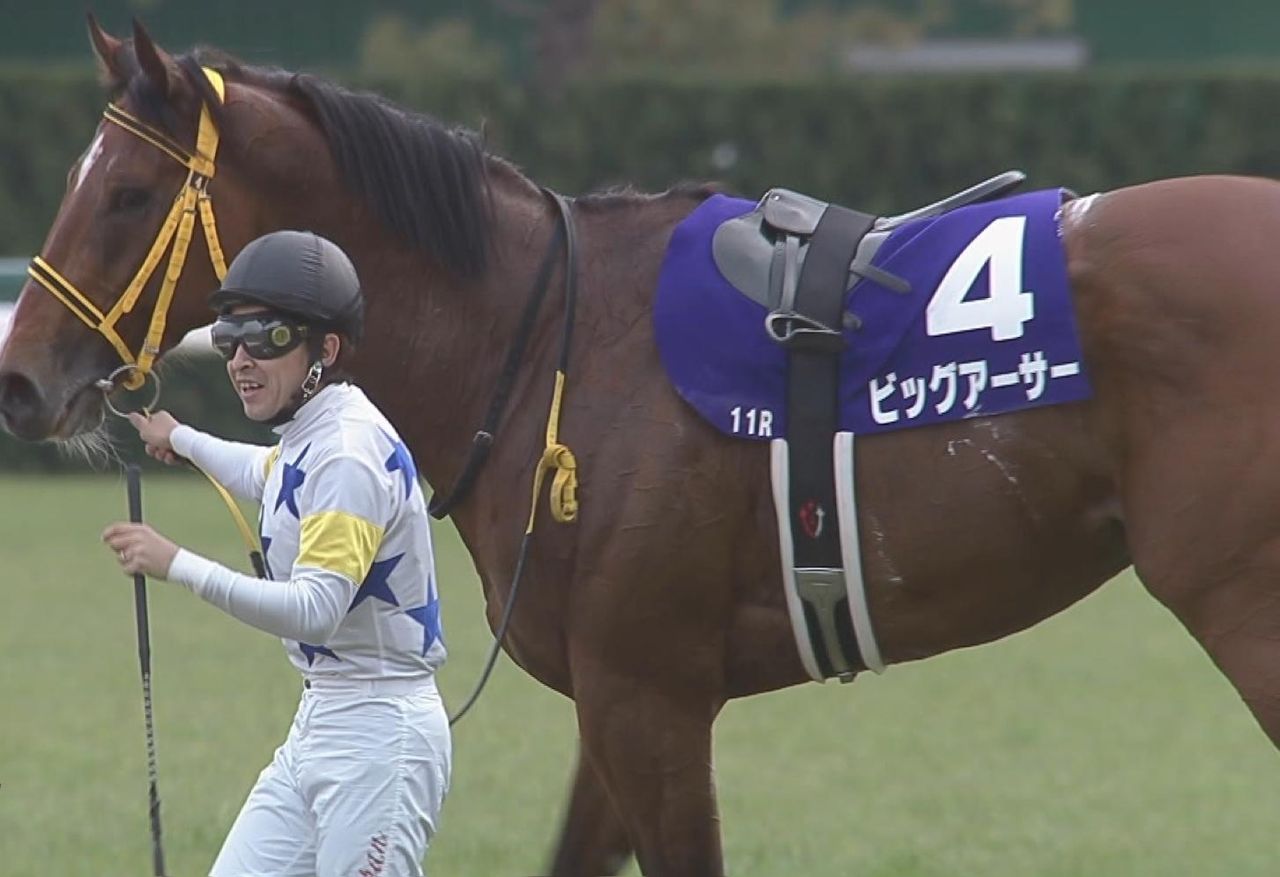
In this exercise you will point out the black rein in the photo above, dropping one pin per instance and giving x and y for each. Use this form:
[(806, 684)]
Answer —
[(483, 440)]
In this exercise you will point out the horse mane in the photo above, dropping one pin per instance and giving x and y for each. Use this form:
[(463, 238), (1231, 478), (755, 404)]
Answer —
[(427, 183)]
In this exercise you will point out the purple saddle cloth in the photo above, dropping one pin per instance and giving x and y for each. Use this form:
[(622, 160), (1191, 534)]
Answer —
[(987, 327)]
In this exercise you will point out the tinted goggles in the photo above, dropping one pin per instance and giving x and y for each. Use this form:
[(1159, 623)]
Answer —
[(264, 336)]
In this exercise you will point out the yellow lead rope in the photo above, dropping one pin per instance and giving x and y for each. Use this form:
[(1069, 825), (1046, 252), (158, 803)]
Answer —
[(564, 486)]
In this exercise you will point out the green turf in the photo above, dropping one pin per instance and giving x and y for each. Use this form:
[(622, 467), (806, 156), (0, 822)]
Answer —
[(1100, 743)]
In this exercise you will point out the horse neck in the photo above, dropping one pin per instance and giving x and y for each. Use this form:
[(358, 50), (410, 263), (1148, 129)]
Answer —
[(434, 346)]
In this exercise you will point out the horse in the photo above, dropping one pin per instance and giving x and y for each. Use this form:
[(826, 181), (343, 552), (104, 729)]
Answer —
[(663, 600)]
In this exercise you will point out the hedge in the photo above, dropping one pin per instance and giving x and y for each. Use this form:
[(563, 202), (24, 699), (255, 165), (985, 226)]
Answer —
[(883, 144), (878, 144)]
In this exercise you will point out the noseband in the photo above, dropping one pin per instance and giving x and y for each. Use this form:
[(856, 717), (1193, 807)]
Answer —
[(178, 228)]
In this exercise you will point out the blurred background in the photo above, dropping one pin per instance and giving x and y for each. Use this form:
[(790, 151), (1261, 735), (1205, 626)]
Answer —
[(1103, 742), (877, 104)]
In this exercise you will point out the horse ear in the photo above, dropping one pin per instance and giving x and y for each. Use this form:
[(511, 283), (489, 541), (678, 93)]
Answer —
[(107, 48), (155, 62)]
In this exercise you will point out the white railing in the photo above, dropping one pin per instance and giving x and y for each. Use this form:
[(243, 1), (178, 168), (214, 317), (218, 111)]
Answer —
[(13, 272), (196, 341)]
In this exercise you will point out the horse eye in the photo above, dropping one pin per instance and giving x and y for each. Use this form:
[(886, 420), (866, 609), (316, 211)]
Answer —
[(128, 199)]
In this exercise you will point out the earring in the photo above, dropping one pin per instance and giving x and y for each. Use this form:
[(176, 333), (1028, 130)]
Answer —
[(312, 383)]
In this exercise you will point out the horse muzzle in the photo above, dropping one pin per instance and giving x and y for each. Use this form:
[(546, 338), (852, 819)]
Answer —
[(29, 414)]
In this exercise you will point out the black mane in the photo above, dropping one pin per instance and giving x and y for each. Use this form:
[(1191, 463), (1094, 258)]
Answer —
[(426, 182)]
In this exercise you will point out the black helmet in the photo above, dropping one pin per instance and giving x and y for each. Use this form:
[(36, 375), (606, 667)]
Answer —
[(300, 273)]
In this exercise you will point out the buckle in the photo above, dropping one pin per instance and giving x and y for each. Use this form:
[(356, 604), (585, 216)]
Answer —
[(795, 331)]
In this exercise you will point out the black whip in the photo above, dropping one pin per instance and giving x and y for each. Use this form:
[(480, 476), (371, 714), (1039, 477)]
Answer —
[(133, 480)]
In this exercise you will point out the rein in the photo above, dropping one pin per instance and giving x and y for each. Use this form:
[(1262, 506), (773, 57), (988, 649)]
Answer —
[(482, 441), (563, 498), (178, 229)]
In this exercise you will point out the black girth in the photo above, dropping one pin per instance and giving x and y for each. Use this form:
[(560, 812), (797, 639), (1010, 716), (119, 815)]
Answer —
[(811, 334)]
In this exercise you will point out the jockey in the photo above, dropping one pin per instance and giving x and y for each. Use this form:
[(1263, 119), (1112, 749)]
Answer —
[(358, 784)]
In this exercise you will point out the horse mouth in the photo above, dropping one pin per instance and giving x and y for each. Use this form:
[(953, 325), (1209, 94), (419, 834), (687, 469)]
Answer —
[(83, 413)]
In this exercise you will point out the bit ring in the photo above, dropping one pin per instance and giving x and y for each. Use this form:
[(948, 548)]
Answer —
[(108, 384)]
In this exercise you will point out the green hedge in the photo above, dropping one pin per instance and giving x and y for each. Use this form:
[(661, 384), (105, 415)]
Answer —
[(882, 144), (879, 144)]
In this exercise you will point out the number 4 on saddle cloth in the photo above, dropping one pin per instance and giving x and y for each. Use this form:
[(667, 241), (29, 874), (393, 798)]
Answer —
[(806, 324)]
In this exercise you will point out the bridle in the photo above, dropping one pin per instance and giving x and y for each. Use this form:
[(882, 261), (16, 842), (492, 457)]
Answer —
[(177, 229)]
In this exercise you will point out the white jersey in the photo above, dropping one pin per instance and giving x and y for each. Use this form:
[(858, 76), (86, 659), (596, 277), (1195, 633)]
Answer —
[(346, 539)]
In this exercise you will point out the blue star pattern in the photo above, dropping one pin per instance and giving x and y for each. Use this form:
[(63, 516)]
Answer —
[(310, 652), (290, 480), (429, 617), (400, 461), (375, 583)]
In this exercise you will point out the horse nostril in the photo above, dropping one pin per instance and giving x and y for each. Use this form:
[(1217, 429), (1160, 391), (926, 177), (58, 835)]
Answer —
[(19, 403)]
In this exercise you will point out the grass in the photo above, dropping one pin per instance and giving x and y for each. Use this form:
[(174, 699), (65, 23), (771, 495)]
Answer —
[(1100, 743)]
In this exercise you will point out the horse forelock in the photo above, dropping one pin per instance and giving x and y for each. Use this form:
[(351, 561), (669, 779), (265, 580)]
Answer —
[(132, 86)]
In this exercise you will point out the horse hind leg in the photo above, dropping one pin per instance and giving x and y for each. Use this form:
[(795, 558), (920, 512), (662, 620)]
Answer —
[(1204, 542), (593, 840), (1188, 407), (1238, 623)]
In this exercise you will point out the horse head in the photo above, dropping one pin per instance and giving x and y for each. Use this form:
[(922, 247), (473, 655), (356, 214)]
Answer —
[(137, 242)]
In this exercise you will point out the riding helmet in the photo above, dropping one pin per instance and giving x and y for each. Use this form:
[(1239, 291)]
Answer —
[(300, 274)]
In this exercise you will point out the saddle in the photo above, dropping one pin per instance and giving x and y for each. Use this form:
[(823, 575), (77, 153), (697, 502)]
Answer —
[(797, 256), (762, 252)]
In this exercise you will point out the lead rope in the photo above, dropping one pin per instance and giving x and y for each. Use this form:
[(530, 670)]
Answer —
[(564, 502)]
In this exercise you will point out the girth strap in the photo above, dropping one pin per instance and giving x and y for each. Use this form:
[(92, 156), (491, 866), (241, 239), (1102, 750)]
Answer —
[(812, 402)]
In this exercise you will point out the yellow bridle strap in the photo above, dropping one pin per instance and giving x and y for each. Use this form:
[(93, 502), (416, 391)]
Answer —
[(211, 234), (564, 486), (143, 131), (85, 310), (44, 274), (178, 229)]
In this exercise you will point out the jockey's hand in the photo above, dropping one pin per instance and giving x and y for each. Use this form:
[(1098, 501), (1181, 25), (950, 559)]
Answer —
[(140, 549), (154, 430)]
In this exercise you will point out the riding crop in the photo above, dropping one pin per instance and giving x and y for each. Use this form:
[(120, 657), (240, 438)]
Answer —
[(133, 480)]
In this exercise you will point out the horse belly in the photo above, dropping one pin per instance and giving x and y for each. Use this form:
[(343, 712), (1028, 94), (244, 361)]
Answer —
[(975, 530), (969, 532)]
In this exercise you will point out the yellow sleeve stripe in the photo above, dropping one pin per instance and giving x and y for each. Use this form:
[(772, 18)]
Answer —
[(340, 543), (269, 463)]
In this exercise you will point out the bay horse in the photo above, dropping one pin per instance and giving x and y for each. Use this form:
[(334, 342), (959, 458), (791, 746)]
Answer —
[(663, 600)]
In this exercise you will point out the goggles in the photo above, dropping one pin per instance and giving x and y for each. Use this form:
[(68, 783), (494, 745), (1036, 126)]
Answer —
[(263, 336)]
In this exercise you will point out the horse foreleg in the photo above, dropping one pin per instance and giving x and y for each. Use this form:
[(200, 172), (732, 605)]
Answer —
[(652, 752), (592, 839)]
